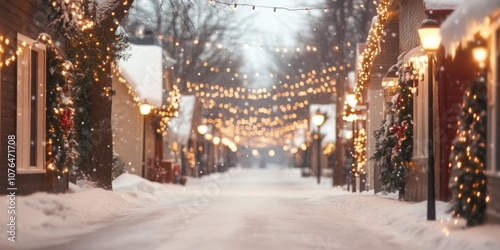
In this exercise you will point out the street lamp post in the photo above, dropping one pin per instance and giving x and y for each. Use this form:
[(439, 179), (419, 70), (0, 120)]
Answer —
[(202, 130), (352, 101), (216, 141), (430, 39), (144, 109), (318, 120), (210, 152)]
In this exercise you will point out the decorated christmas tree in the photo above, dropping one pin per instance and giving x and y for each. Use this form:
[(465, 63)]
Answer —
[(468, 157), (385, 143)]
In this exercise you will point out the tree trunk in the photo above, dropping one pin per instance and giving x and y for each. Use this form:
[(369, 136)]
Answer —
[(98, 168), (338, 167), (101, 155)]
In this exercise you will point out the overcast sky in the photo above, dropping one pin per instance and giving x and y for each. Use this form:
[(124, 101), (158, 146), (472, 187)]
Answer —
[(268, 30)]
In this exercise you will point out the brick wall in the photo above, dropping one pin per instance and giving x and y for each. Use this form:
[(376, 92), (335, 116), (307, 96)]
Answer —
[(412, 12), (381, 64)]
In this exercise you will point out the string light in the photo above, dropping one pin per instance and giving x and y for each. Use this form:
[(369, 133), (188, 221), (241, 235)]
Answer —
[(274, 8), (61, 144), (165, 112), (359, 152), (372, 46), (367, 58), (4, 41)]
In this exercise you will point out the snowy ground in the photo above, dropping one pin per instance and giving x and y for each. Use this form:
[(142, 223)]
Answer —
[(270, 208)]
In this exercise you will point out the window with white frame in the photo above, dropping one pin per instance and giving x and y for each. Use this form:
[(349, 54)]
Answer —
[(30, 106), (420, 102)]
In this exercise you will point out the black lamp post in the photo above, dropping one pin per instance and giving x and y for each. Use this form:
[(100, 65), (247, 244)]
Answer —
[(430, 39), (144, 109), (352, 101), (319, 119), (216, 140), (202, 130)]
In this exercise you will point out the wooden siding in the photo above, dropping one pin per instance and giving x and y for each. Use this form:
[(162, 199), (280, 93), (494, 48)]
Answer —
[(127, 124), (453, 77), (28, 18)]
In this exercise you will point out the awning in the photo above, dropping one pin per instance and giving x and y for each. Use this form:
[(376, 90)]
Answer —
[(469, 18)]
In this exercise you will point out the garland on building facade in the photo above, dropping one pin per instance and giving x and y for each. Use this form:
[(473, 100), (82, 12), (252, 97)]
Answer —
[(468, 157), (385, 142), (61, 138), (403, 127), (394, 138)]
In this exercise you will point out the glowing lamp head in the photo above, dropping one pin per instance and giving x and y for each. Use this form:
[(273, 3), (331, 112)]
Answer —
[(225, 141), (351, 99), (209, 137), (480, 51), (216, 140), (145, 108), (202, 129), (429, 35), (348, 135), (480, 54), (318, 118)]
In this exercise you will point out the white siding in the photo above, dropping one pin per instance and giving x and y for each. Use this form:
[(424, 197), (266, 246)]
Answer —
[(375, 117), (127, 125)]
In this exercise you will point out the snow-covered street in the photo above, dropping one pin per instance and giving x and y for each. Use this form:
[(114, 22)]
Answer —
[(271, 208)]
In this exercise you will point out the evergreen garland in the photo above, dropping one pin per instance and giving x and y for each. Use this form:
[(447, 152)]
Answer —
[(468, 157), (61, 144), (394, 138), (385, 143), (403, 128)]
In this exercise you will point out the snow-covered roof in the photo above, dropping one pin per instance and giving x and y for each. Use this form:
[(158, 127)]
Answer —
[(168, 61), (181, 125), (441, 4), (143, 70), (469, 18), (328, 128)]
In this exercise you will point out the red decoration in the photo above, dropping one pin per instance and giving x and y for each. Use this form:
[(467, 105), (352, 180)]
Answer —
[(398, 130), (404, 124), (66, 89), (66, 120)]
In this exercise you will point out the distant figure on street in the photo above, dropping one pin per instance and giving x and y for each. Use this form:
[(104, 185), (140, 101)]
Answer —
[(262, 163)]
